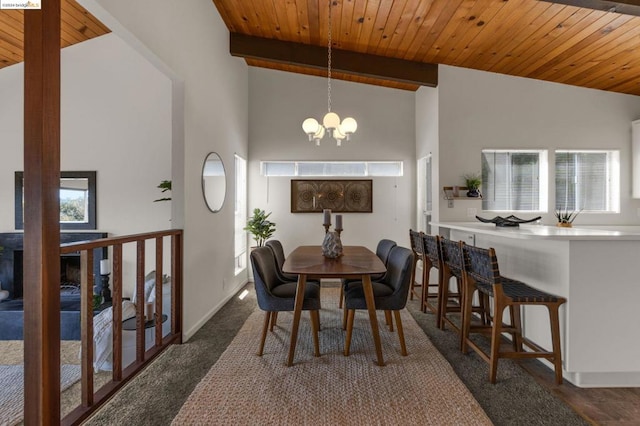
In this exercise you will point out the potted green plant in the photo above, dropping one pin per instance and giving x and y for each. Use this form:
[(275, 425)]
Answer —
[(164, 186), (566, 217), (260, 227), (472, 181)]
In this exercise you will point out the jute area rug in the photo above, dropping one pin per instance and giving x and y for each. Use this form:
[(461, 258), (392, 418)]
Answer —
[(12, 390), (242, 388), (12, 381)]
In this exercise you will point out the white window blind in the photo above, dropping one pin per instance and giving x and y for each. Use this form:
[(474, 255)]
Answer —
[(331, 168), (514, 180), (587, 180)]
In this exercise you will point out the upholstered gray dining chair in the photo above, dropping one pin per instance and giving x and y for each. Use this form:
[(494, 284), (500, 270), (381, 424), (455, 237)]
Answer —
[(390, 294), (382, 251), (275, 295), (278, 252)]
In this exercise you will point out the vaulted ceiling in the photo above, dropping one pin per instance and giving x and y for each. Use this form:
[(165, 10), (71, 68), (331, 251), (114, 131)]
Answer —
[(397, 43), (77, 25), (596, 45)]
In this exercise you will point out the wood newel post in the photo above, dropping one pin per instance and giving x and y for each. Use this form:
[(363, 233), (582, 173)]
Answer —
[(42, 214)]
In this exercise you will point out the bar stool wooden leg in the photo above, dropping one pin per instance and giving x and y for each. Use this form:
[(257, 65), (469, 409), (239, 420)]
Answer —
[(265, 326), (413, 277), (516, 322), (347, 341), (555, 338), (469, 289), (496, 334), (403, 346)]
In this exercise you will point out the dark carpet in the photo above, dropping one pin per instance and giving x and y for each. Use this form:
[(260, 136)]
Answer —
[(155, 396)]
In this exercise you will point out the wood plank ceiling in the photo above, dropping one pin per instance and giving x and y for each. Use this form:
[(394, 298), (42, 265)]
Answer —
[(77, 25), (543, 40)]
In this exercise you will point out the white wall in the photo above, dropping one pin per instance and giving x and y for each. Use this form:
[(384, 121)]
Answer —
[(192, 42), (427, 142), (386, 131), (485, 110), (115, 119)]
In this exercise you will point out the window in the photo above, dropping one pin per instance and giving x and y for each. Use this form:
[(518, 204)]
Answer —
[(331, 168), (588, 180), (514, 180), (240, 214)]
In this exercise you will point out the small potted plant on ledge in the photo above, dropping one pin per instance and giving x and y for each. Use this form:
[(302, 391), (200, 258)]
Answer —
[(472, 182), (566, 217), (260, 227)]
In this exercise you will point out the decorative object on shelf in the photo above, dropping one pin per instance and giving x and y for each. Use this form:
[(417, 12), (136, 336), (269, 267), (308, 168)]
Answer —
[(331, 245), (105, 271), (509, 221), (164, 186), (260, 227), (473, 182), (566, 217), (331, 122), (313, 196)]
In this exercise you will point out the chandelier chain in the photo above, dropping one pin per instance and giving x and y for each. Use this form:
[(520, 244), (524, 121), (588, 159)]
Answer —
[(329, 60)]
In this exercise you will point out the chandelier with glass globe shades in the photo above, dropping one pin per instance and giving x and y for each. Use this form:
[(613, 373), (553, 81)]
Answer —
[(331, 123)]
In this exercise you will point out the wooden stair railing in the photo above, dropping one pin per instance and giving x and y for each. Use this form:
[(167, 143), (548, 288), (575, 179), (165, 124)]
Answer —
[(91, 400)]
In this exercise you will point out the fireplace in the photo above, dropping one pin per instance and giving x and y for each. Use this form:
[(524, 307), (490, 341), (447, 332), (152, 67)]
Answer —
[(69, 274), (11, 261)]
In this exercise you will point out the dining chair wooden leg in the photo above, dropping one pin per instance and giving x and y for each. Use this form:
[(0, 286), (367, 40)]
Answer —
[(274, 320), (403, 345), (554, 319), (347, 341), (496, 335), (265, 326), (314, 328), (389, 320), (344, 317)]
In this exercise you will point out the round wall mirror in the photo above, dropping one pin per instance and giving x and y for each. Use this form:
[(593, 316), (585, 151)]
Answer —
[(214, 182)]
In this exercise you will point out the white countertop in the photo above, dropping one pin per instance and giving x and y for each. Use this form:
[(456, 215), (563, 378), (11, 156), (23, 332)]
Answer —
[(527, 231)]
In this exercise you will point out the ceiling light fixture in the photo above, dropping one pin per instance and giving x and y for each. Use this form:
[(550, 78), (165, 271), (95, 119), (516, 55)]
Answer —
[(331, 122)]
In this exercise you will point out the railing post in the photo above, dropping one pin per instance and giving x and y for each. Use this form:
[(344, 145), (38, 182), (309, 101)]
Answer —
[(117, 312), (86, 325)]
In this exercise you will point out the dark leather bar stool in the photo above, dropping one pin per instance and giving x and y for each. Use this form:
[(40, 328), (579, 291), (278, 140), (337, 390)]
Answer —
[(431, 259), (418, 256), (451, 302), (481, 272)]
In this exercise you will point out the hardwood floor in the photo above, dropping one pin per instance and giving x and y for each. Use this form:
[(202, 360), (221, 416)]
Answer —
[(599, 406)]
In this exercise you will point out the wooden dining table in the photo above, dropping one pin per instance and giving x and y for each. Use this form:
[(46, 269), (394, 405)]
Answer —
[(356, 261)]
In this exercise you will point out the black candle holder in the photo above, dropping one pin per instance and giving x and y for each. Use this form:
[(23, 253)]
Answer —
[(106, 292)]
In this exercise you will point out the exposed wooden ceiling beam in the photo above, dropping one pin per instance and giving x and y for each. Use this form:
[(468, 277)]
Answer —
[(374, 66), (624, 7)]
